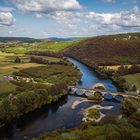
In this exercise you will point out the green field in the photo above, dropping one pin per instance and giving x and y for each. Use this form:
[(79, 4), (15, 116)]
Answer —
[(39, 46), (50, 59), (9, 68), (6, 88), (133, 79)]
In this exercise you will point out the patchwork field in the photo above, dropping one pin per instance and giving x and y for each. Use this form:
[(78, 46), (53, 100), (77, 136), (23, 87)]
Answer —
[(39, 46), (8, 66)]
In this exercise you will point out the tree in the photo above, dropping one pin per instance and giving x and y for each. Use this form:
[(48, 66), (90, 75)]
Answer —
[(128, 107), (17, 60), (134, 88), (7, 110)]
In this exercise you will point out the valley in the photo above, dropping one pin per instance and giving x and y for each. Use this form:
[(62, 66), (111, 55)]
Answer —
[(34, 81)]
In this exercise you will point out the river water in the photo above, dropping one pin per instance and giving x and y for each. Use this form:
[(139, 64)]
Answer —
[(59, 115)]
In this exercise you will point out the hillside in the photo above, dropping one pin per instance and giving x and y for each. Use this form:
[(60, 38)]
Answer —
[(108, 50)]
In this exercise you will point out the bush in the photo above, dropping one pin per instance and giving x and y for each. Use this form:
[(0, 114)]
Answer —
[(95, 98), (17, 60), (128, 107)]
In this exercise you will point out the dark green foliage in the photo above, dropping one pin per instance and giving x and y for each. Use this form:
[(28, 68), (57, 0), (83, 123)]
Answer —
[(41, 60), (128, 107), (134, 88), (103, 132), (7, 110), (135, 119), (17, 60), (52, 73), (120, 82), (28, 96)]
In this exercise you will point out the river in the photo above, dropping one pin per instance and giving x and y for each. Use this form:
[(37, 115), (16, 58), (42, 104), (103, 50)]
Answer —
[(59, 115)]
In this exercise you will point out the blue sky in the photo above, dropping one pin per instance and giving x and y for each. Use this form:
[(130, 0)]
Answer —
[(68, 18)]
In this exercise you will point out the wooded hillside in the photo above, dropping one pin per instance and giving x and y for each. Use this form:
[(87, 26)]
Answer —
[(108, 50)]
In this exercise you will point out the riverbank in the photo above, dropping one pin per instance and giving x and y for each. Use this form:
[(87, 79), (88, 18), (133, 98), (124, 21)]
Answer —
[(120, 128), (119, 80), (36, 87)]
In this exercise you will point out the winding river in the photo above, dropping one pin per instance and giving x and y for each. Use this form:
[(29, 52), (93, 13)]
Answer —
[(59, 115)]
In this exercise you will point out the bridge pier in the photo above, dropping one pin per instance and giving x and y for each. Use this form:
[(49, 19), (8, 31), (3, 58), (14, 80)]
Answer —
[(92, 92)]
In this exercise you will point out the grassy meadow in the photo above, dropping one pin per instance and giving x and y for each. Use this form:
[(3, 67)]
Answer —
[(6, 88), (133, 79)]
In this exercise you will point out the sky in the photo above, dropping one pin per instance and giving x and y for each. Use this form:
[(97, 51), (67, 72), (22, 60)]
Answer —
[(68, 18)]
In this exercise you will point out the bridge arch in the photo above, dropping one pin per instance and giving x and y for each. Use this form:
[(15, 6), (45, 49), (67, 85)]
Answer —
[(108, 96), (118, 98)]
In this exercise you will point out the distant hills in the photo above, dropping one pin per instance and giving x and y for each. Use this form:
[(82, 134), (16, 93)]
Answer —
[(101, 50), (63, 39), (27, 39), (20, 39)]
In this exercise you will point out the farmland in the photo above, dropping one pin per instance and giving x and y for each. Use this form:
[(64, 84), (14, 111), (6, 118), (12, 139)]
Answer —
[(39, 46)]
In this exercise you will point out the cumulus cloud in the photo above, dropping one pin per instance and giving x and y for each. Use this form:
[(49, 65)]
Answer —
[(126, 18), (6, 18), (89, 23), (46, 6), (74, 21)]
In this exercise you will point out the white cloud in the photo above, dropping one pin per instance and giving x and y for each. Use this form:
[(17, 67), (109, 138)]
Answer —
[(124, 18), (99, 22), (6, 9), (72, 21), (46, 6), (6, 18)]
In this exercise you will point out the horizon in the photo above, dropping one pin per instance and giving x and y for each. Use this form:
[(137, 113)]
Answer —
[(68, 18), (69, 37)]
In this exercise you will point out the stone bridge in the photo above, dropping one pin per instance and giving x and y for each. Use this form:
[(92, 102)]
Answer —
[(88, 92)]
